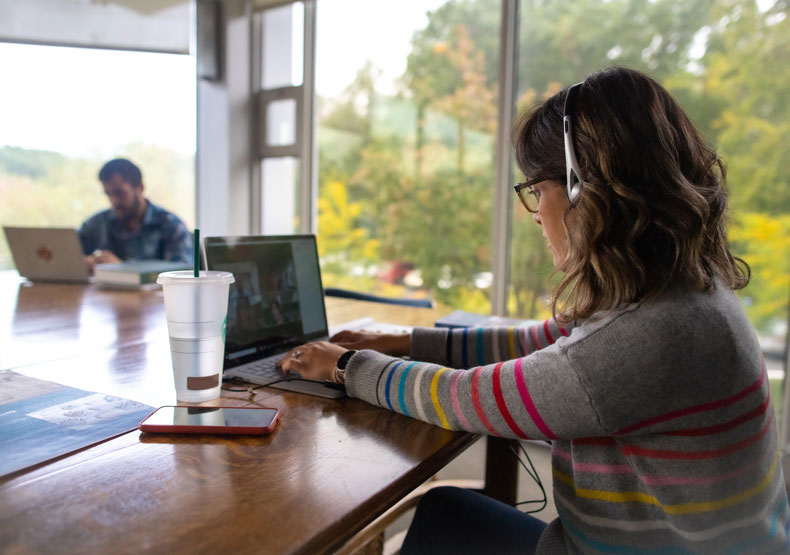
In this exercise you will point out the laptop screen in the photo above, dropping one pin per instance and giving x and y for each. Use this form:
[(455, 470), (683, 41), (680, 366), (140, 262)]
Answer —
[(277, 300)]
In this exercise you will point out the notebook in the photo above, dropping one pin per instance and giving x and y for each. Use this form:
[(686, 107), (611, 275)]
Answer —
[(275, 304), (47, 253)]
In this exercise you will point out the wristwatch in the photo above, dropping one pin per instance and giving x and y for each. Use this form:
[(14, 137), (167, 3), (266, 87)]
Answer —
[(340, 366)]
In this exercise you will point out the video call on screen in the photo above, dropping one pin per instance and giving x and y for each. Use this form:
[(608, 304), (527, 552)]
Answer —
[(272, 303)]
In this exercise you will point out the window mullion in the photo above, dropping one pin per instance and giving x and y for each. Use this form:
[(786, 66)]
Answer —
[(501, 221), (309, 178)]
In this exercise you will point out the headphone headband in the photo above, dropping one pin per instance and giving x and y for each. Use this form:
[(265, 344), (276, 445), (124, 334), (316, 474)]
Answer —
[(573, 179)]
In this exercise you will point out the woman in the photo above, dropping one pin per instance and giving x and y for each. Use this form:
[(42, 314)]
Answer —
[(649, 380)]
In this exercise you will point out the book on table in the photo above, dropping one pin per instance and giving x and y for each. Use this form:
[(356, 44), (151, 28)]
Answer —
[(134, 273)]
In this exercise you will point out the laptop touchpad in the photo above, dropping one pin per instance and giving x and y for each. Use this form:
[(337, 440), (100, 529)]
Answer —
[(311, 388)]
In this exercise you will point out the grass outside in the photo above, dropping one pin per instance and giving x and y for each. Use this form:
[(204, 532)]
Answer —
[(777, 386)]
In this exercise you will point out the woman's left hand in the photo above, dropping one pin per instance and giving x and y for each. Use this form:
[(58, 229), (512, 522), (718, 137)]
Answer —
[(313, 361)]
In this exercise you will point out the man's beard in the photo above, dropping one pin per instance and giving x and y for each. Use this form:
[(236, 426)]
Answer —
[(130, 214)]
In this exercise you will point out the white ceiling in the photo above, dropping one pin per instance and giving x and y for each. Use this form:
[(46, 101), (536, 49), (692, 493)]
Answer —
[(151, 25)]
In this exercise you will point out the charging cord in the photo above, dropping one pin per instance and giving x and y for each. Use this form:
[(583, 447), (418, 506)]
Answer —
[(252, 389), (534, 475)]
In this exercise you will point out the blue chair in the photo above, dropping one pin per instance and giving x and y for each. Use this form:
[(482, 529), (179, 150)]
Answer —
[(346, 294)]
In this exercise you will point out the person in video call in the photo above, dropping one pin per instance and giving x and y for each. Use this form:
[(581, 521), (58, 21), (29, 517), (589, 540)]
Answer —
[(133, 228), (648, 380)]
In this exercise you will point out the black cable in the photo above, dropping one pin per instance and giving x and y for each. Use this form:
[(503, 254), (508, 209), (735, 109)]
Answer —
[(251, 389), (534, 475), (248, 389)]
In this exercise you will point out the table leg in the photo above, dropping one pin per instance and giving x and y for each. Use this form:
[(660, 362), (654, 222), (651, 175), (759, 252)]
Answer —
[(501, 480)]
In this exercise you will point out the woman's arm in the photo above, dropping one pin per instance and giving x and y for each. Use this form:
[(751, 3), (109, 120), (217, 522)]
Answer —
[(535, 397), (393, 344), (462, 348), (459, 348)]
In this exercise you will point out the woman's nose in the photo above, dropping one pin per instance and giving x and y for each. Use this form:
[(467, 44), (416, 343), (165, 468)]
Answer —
[(536, 218)]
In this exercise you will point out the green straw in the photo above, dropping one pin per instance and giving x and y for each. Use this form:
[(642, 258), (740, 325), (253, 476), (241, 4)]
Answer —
[(197, 252)]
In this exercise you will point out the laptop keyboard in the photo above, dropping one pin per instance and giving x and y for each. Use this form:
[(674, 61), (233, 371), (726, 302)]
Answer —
[(261, 371)]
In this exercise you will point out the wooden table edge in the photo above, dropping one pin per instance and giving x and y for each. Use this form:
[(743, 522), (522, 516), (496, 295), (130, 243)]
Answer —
[(330, 540)]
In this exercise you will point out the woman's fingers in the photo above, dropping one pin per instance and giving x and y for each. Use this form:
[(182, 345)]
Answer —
[(313, 361), (292, 361)]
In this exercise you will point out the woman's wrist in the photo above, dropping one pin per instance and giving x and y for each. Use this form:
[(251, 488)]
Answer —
[(401, 345), (339, 371)]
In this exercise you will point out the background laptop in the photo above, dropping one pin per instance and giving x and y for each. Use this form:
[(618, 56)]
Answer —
[(47, 253), (275, 304)]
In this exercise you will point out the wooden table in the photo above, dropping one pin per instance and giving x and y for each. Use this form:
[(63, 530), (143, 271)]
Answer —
[(330, 467)]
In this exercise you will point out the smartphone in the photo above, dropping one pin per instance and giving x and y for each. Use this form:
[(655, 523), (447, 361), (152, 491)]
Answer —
[(211, 420)]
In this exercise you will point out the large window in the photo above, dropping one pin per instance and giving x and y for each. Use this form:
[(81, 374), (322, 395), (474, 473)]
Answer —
[(65, 111), (406, 136), (406, 145)]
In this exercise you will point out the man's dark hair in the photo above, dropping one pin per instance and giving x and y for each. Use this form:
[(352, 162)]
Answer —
[(123, 167)]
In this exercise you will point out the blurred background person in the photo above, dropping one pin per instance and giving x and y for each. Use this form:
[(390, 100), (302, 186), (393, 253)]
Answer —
[(133, 228)]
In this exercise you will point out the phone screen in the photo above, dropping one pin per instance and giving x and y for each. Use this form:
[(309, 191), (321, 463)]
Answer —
[(213, 416)]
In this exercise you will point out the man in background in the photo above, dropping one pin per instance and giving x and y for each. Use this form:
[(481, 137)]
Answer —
[(133, 228)]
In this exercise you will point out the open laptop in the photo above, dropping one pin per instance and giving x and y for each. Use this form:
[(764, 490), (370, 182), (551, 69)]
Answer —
[(47, 253), (275, 304)]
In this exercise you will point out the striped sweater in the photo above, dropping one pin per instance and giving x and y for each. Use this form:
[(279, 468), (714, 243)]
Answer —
[(663, 432)]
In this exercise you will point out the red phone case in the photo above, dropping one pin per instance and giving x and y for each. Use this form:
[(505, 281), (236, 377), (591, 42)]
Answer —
[(206, 429)]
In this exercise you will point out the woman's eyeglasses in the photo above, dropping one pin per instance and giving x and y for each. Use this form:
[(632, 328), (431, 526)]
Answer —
[(528, 196)]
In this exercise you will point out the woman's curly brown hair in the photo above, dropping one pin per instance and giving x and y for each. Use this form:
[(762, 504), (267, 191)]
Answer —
[(652, 209)]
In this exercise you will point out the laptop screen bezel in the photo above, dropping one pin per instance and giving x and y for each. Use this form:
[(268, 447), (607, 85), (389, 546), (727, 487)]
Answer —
[(224, 241)]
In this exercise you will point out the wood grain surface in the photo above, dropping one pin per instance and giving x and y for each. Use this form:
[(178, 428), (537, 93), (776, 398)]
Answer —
[(329, 468)]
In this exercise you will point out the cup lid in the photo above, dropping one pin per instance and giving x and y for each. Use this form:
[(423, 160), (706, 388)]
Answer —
[(187, 277)]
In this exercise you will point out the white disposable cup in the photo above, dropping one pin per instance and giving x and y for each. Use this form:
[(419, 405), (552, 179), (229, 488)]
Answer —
[(197, 310)]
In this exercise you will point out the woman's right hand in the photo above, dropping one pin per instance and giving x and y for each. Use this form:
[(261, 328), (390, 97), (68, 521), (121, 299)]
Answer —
[(393, 344)]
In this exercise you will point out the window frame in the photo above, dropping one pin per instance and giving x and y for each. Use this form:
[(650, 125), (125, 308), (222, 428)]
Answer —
[(304, 147)]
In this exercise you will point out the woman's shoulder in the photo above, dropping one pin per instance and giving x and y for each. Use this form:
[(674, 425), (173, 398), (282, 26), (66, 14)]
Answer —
[(680, 328), (676, 307), (664, 354)]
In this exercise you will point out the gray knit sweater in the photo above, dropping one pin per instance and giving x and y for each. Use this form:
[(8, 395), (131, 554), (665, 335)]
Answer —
[(664, 437)]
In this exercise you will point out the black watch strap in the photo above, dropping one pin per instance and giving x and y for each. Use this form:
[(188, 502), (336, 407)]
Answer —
[(342, 362)]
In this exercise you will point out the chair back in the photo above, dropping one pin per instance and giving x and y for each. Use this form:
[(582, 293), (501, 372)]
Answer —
[(347, 294)]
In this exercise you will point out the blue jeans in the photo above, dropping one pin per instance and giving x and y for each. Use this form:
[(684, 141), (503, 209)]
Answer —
[(459, 521)]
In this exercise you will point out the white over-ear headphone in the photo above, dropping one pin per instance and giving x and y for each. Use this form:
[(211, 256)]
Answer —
[(572, 172)]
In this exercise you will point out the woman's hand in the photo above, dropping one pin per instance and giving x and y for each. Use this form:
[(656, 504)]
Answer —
[(313, 361), (393, 344)]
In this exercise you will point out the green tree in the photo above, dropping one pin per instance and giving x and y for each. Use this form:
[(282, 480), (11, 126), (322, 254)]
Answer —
[(763, 240), (428, 74), (343, 242), (560, 43), (353, 110), (723, 59), (473, 102), (746, 70), (565, 41), (417, 188)]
